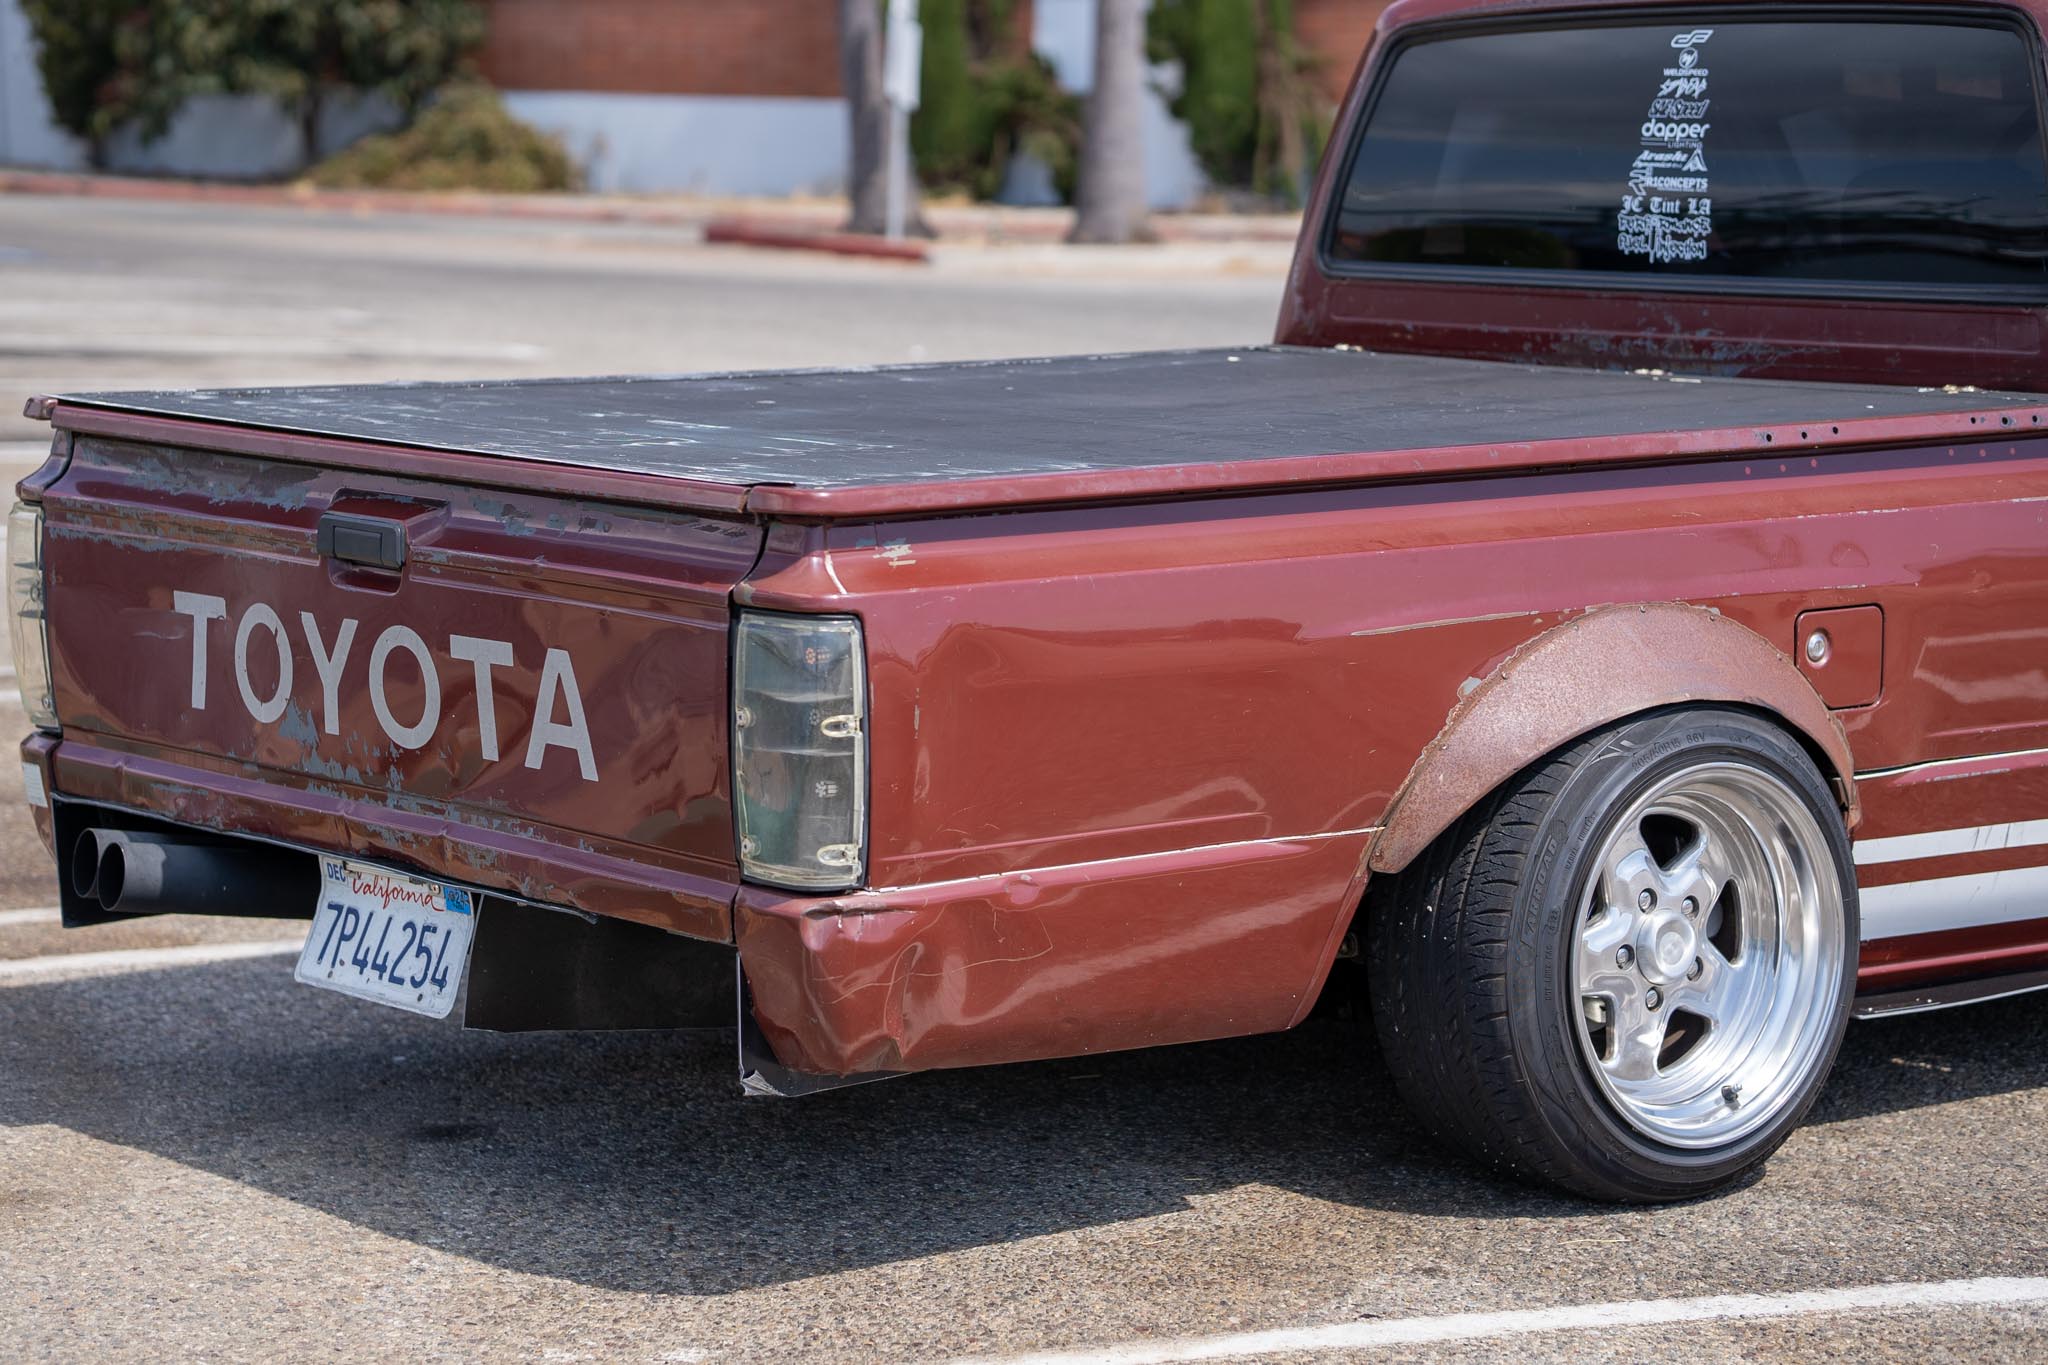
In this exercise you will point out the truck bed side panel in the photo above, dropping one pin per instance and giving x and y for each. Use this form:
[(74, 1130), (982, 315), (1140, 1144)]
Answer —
[(1092, 688), (1122, 681)]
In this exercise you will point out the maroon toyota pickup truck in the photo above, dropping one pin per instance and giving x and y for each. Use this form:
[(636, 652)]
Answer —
[(1615, 613)]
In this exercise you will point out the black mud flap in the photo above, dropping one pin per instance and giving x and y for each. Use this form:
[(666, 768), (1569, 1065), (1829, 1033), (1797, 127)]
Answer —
[(533, 969)]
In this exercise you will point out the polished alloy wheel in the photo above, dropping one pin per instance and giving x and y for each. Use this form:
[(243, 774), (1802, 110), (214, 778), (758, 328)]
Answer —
[(1708, 956)]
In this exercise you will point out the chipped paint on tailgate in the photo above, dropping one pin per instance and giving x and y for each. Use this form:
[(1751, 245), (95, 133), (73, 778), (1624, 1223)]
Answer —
[(545, 678)]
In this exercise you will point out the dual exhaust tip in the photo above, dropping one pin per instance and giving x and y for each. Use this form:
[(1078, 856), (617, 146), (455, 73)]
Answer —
[(131, 872), (99, 865)]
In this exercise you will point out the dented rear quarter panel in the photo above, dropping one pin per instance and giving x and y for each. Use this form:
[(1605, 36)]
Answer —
[(1101, 734)]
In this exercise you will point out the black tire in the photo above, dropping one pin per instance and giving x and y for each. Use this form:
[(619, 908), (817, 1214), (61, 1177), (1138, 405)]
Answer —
[(1474, 983)]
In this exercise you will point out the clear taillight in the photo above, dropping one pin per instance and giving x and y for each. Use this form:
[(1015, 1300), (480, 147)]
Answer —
[(800, 750), (25, 603)]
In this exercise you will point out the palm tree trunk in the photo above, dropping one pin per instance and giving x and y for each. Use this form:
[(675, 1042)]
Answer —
[(867, 163), (1110, 195), (309, 127)]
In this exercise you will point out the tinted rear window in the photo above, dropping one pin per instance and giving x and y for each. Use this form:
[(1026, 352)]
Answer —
[(1884, 153)]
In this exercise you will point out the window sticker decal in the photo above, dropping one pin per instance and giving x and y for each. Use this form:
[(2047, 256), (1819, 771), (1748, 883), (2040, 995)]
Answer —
[(1668, 212)]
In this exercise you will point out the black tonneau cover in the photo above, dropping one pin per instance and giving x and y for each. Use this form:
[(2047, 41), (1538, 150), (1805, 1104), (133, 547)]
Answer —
[(836, 429)]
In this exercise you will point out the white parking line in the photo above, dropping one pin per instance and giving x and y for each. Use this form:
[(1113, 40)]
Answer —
[(1995, 1292), (10, 696), (141, 959), (11, 917)]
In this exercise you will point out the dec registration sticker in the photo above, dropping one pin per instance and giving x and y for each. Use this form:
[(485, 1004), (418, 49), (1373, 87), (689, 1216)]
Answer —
[(387, 937)]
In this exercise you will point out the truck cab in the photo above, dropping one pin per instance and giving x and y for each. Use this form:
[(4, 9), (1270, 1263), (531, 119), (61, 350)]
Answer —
[(1838, 192)]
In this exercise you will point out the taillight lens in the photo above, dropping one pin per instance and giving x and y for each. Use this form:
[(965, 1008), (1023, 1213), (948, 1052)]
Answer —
[(25, 605), (800, 750)]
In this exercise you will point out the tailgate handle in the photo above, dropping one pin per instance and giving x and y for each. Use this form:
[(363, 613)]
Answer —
[(369, 541)]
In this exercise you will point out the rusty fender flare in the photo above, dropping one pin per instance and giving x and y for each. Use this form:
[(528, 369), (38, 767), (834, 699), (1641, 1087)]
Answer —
[(1602, 667)]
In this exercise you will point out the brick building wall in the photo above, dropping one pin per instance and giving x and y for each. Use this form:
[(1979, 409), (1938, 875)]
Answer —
[(772, 48), (1336, 32), (781, 48), (743, 96)]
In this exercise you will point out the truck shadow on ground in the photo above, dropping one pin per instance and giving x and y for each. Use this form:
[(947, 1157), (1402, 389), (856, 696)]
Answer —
[(629, 1162)]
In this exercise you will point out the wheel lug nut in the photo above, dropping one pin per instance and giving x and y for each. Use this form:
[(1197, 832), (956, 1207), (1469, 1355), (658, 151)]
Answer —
[(1698, 967), (1646, 900), (1654, 999), (1624, 955), (1692, 907)]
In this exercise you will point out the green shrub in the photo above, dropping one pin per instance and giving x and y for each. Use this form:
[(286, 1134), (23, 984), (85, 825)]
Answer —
[(110, 64), (1029, 112), (1255, 119), (464, 140), (107, 64), (947, 136), (985, 97), (298, 51), (1216, 44)]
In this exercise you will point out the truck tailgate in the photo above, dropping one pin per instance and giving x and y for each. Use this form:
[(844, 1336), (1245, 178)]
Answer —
[(531, 687)]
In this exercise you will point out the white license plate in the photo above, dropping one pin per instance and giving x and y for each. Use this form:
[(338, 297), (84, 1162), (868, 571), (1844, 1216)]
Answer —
[(387, 937)]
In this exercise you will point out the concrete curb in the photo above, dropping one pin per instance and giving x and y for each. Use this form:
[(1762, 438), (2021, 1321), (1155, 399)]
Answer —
[(802, 225), (745, 232), (562, 208)]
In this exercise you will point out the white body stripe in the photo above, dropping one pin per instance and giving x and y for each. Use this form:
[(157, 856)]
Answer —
[(1955, 902), (1941, 843)]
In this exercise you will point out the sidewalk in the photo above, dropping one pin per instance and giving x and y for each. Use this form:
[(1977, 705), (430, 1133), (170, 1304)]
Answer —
[(762, 222)]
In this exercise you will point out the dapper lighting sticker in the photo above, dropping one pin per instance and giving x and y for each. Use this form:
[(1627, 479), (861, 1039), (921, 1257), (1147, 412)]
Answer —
[(1668, 214)]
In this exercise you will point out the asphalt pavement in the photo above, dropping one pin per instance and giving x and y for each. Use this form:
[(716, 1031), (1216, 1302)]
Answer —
[(200, 1159), (110, 294)]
